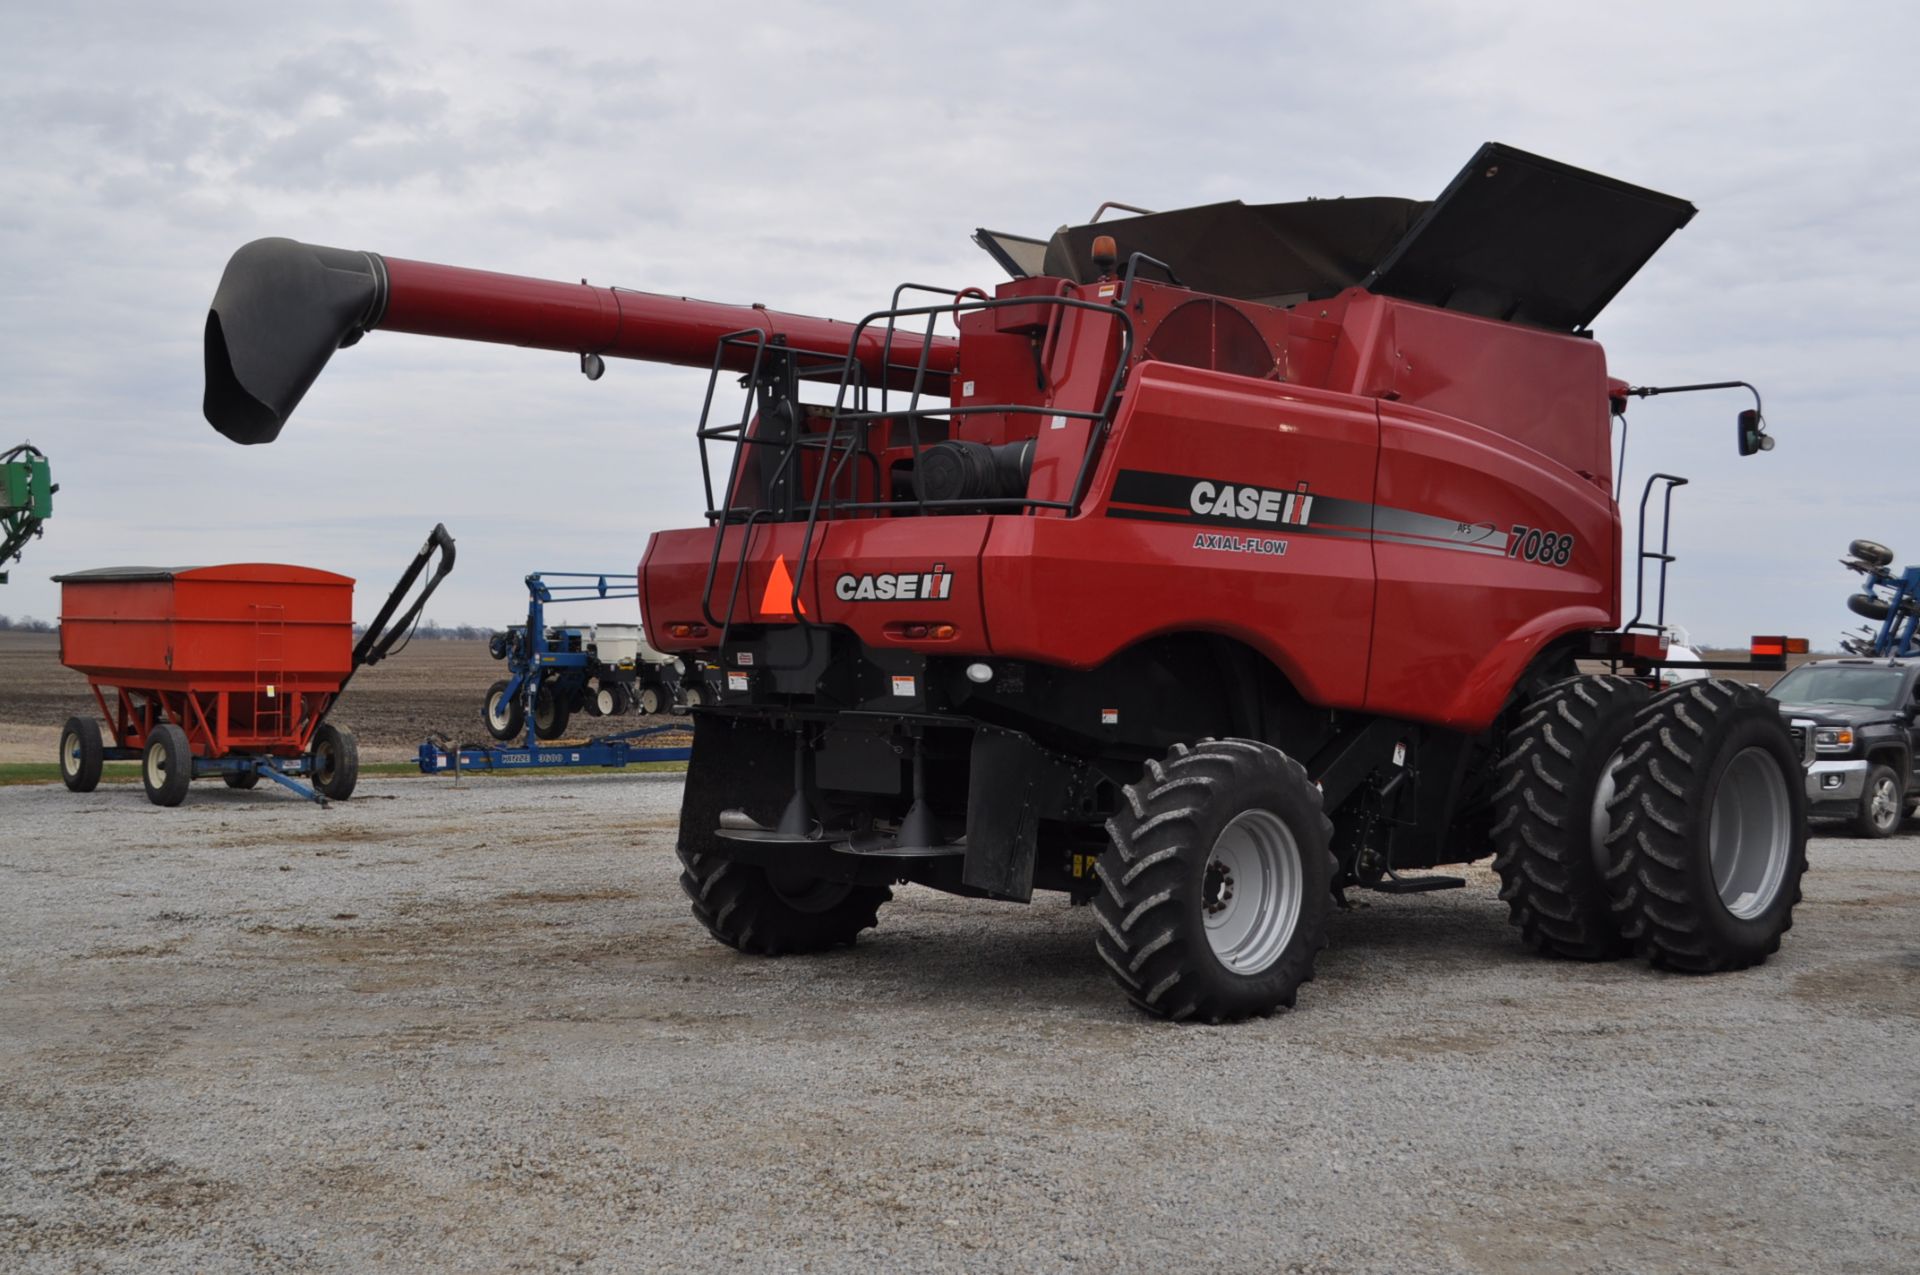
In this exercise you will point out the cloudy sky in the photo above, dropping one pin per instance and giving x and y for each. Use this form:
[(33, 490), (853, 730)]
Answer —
[(812, 158)]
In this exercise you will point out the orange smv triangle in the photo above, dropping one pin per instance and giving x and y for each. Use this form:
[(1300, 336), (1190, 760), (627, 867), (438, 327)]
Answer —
[(778, 599)]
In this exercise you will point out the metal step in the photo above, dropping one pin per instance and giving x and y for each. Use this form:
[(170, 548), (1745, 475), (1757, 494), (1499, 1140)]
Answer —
[(1394, 884)]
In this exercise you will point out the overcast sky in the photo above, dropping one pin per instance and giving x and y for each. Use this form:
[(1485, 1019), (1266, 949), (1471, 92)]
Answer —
[(812, 158)]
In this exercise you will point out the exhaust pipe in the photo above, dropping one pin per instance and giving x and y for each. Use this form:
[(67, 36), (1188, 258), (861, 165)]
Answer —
[(283, 307)]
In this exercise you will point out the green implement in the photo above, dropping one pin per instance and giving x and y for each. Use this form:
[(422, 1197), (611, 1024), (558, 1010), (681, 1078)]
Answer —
[(26, 499)]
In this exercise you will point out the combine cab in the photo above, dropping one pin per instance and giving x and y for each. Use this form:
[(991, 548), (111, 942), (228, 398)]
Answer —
[(1222, 561)]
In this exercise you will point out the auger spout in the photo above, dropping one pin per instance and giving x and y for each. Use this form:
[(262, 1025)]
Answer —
[(283, 307)]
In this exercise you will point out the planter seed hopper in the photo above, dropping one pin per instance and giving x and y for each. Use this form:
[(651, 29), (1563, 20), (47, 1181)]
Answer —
[(228, 670)]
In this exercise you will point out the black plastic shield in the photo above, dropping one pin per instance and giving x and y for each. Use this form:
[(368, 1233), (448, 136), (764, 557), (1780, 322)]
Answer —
[(1529, 240), (281, 310)]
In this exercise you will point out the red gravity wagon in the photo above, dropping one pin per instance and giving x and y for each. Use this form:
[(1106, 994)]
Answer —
[(228, 670)]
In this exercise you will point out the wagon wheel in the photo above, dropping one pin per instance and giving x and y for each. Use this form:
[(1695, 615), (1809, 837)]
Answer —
[(241, 779), (82, 756), (166, 768), (335, 762)]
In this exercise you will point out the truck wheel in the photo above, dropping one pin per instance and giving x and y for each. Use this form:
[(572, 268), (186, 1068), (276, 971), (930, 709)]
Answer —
[(505, 717), (1871, 552), (767, 912), (550, 714), (1550, 816), (81, 755), (166, 768), (335, 758), (240, 779), (1217, 883), (1709, 837), (1881, 805)]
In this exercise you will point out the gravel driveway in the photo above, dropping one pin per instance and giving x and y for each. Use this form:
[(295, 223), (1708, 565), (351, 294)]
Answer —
[(474, 1028)]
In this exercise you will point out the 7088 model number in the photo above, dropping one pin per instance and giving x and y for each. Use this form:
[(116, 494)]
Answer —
[(1552, 548)]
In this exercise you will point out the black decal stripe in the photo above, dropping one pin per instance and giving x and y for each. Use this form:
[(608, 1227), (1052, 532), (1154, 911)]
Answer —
[(1269, 530)]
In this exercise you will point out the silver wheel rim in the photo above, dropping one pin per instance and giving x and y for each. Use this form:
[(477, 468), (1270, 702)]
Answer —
[(1749, 833), (1885, 808), (1599, 822), (156, 765), (497, 711), (70, 753), (1252, 891)]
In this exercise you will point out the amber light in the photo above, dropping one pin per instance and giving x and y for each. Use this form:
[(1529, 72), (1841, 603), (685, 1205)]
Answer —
[(915, 632), (687, 630), (1772, 645)]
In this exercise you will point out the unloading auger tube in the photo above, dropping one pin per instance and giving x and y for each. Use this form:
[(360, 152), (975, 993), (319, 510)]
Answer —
[(283, 307)]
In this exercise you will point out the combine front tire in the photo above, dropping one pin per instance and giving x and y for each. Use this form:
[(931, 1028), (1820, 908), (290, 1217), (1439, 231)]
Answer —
[(1216, 883), (82, 756), (1709, 837), (767, 912), (1550, 816)]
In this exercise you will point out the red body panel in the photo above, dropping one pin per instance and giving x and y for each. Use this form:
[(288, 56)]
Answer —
[(1402, 537), (206, 644)]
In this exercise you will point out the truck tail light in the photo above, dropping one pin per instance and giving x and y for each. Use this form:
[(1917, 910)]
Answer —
[(687, 630)]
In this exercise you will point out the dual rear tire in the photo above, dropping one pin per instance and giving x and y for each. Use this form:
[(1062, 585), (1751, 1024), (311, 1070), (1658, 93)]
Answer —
[(1672, 826)]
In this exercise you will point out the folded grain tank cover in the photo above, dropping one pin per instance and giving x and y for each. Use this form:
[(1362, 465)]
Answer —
[(1513, 237), (1529, 240)]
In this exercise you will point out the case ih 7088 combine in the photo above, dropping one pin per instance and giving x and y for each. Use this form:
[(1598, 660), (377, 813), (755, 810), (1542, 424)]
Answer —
[(1226, 559)]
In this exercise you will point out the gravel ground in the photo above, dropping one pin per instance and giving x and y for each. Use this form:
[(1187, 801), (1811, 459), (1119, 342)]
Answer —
[(474, 1028)]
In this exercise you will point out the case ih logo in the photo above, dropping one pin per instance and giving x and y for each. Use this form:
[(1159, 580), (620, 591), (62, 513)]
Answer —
[(892, 586), (1252, 504)]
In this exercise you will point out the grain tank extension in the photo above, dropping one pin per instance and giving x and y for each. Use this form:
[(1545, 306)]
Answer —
[(1220, 561)]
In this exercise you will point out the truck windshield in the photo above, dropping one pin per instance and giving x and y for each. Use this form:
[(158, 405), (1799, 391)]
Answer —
[(1817, 684)]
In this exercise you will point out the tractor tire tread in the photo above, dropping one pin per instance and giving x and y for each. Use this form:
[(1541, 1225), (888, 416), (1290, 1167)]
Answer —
[(1653, 860), (1549, 880), (739, 906), (1146, 877)]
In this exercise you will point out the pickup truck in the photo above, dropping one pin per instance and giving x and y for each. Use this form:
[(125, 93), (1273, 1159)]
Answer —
[(1857, 721)]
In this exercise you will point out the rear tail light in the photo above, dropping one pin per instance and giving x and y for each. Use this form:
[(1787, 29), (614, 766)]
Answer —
[(1778, 646), (687, 630), (914, 631)]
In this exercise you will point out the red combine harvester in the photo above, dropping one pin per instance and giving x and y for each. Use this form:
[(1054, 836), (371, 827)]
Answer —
[(228, 671), (1226, 559)]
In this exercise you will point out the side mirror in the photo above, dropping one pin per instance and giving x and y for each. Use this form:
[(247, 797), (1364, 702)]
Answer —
[(1753, 433)]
